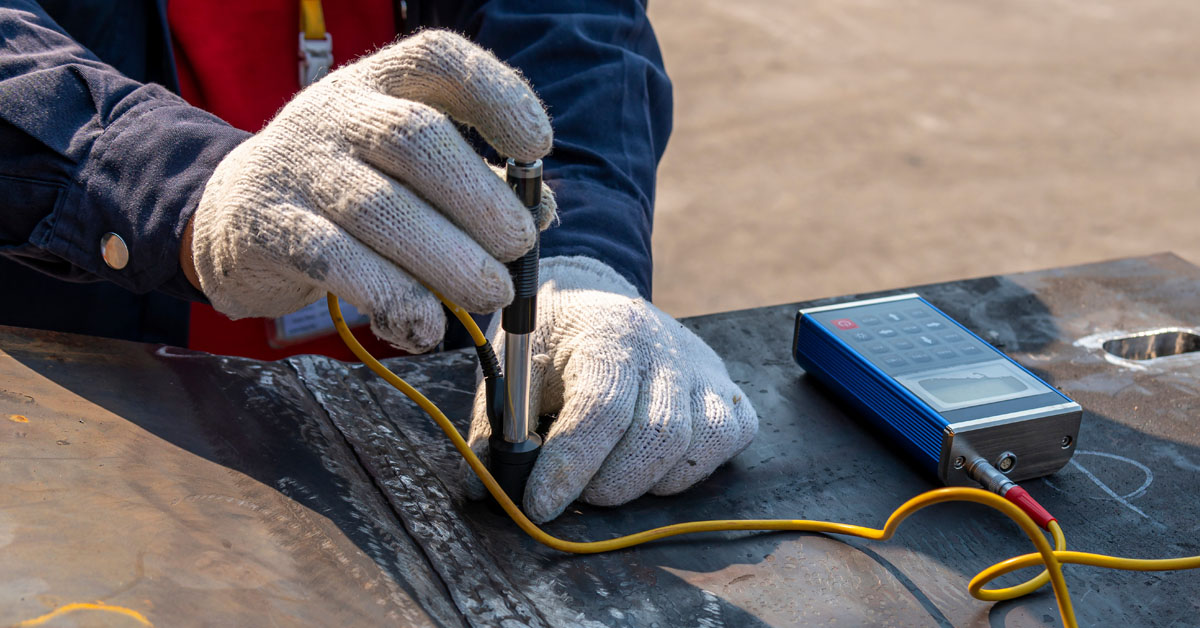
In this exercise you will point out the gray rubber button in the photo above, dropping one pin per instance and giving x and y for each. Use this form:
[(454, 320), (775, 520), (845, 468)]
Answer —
[(114, 251)]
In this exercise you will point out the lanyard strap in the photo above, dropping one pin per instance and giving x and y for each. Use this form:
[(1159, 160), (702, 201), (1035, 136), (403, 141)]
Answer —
[(315, 54), (312, 19)]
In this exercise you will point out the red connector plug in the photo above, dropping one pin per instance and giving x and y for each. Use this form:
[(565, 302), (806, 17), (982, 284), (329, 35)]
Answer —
[(1027, 503), (991, 479)]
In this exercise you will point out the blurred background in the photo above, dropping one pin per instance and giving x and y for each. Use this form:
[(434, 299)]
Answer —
[(831, 147)]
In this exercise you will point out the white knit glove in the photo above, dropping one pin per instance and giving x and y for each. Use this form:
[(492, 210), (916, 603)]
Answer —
[(643, 404), (362, 185)]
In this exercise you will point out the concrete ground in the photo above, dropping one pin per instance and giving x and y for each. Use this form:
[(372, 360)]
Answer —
[(830, 147)]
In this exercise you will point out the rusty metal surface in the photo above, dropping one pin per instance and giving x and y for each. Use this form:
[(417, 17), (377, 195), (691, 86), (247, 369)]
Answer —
[(205, 490)]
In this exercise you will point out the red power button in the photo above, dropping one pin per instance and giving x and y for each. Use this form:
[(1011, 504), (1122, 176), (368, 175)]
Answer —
[(844, 323)]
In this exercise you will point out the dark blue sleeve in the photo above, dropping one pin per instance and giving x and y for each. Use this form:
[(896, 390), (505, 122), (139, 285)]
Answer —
[(85, 150), (597, 66)]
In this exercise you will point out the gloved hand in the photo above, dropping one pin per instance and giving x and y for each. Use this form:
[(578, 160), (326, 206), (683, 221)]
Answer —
[(643, 404), (362, 185)]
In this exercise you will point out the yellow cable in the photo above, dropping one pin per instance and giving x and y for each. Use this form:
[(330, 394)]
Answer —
[(1025, 588), (85, 606), (1094, 560), (1051, 558), (462, 315)]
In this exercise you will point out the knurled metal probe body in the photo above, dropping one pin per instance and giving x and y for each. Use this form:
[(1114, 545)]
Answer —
[(514, 450)]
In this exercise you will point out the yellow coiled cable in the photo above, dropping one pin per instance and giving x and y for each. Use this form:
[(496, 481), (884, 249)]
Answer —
[(1049, 557)]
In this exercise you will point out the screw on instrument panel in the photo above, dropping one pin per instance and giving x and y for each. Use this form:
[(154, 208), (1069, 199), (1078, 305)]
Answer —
[(959, 462), (1066, 442)]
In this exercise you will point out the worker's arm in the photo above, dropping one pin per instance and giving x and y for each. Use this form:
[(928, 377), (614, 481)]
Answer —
[(361, 185), (86, 151)]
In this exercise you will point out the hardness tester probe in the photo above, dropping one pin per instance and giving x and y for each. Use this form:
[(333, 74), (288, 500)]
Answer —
[(964, 411), (514, 444)]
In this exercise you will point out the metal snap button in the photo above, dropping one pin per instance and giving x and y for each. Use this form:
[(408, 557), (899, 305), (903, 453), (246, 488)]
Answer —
[(114, 251)]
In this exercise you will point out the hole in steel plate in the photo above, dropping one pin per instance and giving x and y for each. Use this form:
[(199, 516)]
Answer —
[(1153, 344)]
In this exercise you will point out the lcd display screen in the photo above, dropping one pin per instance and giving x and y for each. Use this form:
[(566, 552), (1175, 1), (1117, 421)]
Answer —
[(971, 385)]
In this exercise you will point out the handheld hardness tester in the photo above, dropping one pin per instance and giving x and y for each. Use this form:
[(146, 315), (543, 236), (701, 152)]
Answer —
[(937, 390)]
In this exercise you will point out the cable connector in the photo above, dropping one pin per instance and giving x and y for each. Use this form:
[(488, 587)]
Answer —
[(1026, 502), (983, 472), (993, 480)]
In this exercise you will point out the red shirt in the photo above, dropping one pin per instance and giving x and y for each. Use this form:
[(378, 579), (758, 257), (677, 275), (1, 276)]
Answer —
[(238, 60)]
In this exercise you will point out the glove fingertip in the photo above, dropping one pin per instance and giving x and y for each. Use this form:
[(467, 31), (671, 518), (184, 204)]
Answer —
[(547, 214), (519, 127), (414, 334), (532, 143), (554, 483), (492, 290), (541, 510)]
